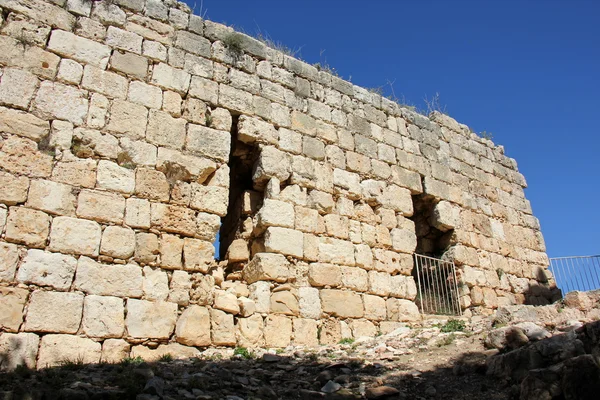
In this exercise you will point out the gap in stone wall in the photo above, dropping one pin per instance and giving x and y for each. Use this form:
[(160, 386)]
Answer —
[(233, 235), (430, 240)]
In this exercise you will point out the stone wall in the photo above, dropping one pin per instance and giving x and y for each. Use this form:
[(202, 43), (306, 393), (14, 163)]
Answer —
[(132, 131)]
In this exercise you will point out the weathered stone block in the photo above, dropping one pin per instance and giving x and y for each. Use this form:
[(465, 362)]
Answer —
[(340, 303), (398, 199), (23, 124), (403, 286), (402, 310), (375, 307), (180, 288), (9, 257), (227, 302), (211, 199), (108, 280), (101, 206), (78, 48), (355, 278), (75, 236), (144, 94), (272, 163), (445, 216), (123, 40), (222, 329), (278, 331), (70, 71), (193, 327), (47, 269), (404, 240), (324, 275), (54, 312), (276, 213), (111, 176), (27, 226), (197, 255), (55, 350), (52, 197), (128, 119), (249, 331), (309, 302), (21, 156), (252, 130), (285, 241), (14, 188), (18, 350), (284, 302), (174, 219), (336, 251), (147, 319), (156, 284), (267, 267), (164, 130), (171, 248), (114, 350), (137, 213), (12, 302), (77, 173), (103, 316), (208, 142), (305, 332), (104, 82), (151, 184), (260, 293), (118, 242), (379, 283), (171, 78), (17, 87)]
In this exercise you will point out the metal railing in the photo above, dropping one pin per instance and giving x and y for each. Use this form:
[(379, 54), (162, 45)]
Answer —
[(437, 286), (576, 273)]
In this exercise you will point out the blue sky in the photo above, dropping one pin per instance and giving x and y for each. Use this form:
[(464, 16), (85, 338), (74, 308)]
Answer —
[(526, 71)]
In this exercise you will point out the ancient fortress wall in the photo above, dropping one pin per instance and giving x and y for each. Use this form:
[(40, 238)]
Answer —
[(133, 131)]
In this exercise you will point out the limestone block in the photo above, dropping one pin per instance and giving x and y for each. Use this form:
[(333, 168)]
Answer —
[(171, 248), (222, 329), (172, 103), (324, 275), (61, 135), (144, 94), (445, 216), (322, 202), (340, 303), (54, 312), (284, 241), (208, 142), (404, 240), (90, 141), (107, 83), (212, 199), (14, 188), (175, 350), (114, 350), (260, 293), (57, 349), (147, 319), (17, 87), (180, 288), (266, 267), (78, 173), (247, 306), (473, 277), (349, 181), (363, 256), (111, 176), (70, 71), (155, 284), (140, 152), (337, 226), (78, 48), (307, 219), (402, 310), (193, 327), (118, 242), (249, 331), (47, 269), (375, 307), (331, 332), (75, 236), (403, 286), (108, 280), (362, 328), (174, 219), (203, 288), (3, 215), (197, 255), (284, 302), (271, 163), (379, 283), (123, 40), (101, 206), (207, 226), (146, 247), (52, 197), (398, 199), (32, 58), (305, 332), (276, 213), (9, 258), (278, 331), (252, 130), (171, 78), (27, 226), (290, 141), (103, 317), (154, 50), (128, 119), (12, 301), (18, 349), (22, 156), (238, 251), (309, 302), (336, 251), (164, 130), (22, 124), (355, 278), (227, 302), (151, 184)]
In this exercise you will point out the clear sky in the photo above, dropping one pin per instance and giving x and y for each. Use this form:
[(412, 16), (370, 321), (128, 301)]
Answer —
[(526, 71)]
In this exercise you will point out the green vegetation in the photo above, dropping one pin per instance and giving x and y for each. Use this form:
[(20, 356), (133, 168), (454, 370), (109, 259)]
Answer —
[(132, 361), (446, 340), (453, 325), (346, 341), (166, 357), (243, 352)]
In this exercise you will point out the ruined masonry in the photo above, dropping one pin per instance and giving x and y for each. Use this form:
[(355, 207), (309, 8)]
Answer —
[(133, 134)]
